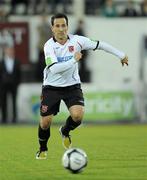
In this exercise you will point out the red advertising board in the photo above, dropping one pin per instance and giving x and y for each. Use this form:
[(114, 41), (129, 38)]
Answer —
[(19, 33)]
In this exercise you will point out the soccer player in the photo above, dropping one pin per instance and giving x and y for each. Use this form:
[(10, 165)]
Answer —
[(62, 82)]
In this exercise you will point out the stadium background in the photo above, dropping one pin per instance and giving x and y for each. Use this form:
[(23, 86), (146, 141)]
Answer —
[(113, 93)]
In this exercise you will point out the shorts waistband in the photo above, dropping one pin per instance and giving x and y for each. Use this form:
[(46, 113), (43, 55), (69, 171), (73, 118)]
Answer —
[(62, 88)]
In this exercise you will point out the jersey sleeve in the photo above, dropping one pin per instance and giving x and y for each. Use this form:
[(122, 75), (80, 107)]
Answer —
[(50, 57), (86, 43), (110, 49)]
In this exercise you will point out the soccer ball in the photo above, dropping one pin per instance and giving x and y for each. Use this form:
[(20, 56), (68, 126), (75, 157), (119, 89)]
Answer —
[(74, 159)]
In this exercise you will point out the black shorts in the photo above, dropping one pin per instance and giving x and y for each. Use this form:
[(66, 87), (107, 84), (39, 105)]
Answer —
[(51, 98)]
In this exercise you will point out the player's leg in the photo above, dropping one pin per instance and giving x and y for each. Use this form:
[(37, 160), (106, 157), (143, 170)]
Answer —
[(50, 102), (43, 136), (72, 122), (75, 103), (75, 118)]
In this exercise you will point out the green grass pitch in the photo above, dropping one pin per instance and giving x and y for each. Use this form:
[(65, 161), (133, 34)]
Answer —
[(115, 152)]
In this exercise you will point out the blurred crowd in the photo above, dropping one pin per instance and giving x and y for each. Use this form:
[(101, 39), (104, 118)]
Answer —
[(106, 8), (116, 8), (34, 7)]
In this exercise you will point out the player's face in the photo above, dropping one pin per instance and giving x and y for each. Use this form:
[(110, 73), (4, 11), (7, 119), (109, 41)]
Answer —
[(60, 29)]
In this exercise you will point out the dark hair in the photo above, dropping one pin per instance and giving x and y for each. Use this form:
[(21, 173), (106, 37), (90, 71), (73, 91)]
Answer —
[(59, 15)]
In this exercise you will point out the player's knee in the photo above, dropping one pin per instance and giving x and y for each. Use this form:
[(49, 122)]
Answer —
[(76, 116), (45, 122)]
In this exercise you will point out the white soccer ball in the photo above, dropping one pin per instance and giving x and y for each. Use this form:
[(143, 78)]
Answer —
[(74, 159)]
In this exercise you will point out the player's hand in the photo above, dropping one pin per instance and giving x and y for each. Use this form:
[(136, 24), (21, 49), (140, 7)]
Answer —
[(78, 56), (124, 61)]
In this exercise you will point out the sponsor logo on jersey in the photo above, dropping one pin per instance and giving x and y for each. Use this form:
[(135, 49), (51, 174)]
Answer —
[(66, 58), (71, 48)]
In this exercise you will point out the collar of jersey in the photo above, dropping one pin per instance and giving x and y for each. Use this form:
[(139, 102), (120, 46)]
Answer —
[(56, 40)]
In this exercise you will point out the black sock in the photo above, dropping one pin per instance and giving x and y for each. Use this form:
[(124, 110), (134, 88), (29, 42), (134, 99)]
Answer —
[(43, 135), (70, 125)]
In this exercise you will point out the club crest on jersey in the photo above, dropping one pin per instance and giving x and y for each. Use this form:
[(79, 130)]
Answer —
[(44, 108), (71, 48)]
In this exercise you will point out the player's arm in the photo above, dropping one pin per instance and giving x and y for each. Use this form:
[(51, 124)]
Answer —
[(58, 67), (112, 50), (63, 66), (87, 44)]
